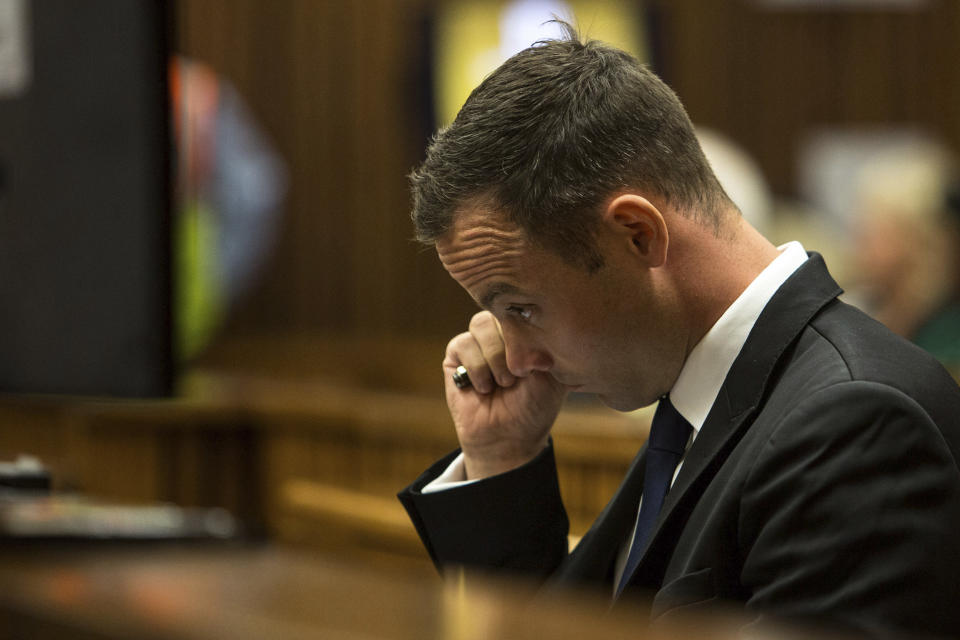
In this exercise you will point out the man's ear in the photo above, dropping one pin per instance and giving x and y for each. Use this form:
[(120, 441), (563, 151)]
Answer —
[(637, 221)]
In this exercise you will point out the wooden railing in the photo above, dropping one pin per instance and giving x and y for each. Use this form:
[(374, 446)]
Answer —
[(309, 459)]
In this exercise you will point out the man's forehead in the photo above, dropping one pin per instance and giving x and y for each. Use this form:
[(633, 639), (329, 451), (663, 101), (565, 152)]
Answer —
[(483, 253), (477, 228)]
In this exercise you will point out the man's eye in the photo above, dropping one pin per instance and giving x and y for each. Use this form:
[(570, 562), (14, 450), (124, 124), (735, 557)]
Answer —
[(523, 313)]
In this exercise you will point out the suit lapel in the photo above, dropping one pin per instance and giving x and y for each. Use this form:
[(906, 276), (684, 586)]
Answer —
[(791, 308)]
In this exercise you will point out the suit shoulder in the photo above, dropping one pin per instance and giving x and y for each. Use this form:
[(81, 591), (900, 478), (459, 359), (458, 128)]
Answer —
[(855, 360), (871, 352)]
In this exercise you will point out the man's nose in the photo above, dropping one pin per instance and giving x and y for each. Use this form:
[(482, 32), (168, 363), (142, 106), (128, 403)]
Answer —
[(523, 358)]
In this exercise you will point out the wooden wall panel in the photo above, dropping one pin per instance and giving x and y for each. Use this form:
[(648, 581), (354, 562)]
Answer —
[(766, 76), (336, 83)]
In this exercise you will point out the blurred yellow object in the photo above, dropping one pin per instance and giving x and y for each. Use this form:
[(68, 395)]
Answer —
[(199, 301), (475, 36)]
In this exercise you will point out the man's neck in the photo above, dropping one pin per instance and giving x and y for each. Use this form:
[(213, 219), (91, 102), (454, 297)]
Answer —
[(716, 269)]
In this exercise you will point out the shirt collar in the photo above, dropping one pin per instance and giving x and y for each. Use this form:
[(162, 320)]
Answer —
[(705, 369)]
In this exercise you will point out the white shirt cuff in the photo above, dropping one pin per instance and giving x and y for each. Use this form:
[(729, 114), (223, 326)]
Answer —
[(452, 477)]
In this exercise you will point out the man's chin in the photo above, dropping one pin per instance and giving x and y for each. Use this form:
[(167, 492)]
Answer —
[(619, 404)]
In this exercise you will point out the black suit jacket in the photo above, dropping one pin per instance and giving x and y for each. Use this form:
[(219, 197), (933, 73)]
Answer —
[(824, 485)]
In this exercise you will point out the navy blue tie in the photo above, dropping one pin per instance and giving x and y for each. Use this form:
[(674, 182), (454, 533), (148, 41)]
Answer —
[(669, 434)]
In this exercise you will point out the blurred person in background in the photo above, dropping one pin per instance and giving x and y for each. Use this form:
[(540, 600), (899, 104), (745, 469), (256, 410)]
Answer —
[(906, 247), (229, 190), (740, 176)]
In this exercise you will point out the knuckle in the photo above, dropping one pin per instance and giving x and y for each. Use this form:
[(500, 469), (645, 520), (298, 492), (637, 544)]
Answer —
[(480, 320), (458, 342)]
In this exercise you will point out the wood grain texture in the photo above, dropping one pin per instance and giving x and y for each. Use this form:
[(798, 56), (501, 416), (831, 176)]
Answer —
[(340, 86)]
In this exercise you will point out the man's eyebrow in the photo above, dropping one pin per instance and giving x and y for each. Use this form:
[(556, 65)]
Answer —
[(497, 289)]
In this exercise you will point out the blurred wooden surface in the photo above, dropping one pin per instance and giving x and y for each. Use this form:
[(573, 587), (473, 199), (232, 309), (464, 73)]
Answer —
[(209, 593)]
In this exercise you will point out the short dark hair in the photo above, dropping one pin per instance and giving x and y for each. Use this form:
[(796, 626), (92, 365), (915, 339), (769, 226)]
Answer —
[(550, 135)]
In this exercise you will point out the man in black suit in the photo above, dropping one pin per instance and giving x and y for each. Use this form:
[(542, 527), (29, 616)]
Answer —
[(814, 471)]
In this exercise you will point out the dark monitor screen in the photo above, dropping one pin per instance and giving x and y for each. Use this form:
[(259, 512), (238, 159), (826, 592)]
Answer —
[(85, 291)]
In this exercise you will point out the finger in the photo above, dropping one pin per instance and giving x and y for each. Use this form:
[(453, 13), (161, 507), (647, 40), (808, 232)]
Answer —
[(486, 331), (464, 350)]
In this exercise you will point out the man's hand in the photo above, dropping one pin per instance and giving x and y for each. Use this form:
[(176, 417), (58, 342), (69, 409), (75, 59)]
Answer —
[(503, 421)]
